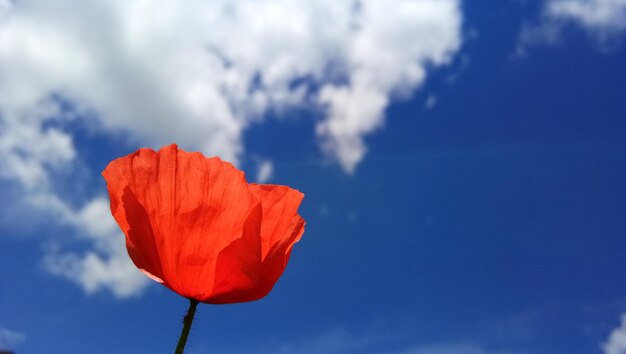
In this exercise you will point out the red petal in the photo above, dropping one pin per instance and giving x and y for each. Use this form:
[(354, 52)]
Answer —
[(185, 218), (281, 228)]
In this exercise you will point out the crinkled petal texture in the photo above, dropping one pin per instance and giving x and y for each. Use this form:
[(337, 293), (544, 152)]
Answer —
[(194, 224)]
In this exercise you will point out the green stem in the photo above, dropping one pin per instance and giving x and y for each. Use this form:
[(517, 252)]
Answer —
[(187, 320)]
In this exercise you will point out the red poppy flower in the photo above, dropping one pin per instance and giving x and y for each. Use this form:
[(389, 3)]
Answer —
[(195, 225)]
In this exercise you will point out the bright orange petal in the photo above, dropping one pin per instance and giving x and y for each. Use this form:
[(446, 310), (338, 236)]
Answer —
[(183, 214), (281, 228)]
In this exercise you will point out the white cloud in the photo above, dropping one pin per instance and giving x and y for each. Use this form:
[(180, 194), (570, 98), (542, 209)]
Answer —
[(10, 338), (94, 272), (603, 20), (265, 171), (603, 16), (107, 266), (431, 101), (616, 343), (385, 59), (199, 74)]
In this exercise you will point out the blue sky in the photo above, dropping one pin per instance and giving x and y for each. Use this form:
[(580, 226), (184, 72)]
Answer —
[(463, 165)]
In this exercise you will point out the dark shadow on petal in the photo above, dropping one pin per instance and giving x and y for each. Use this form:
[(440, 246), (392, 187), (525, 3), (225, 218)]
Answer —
[(140, 240), (238, 266)]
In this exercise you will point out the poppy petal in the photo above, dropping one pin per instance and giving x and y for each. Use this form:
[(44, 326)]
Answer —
[(281, 228), (186, 210)]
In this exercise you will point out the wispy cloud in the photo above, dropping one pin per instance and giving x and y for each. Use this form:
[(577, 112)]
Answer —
[(9, 339), (616, 343), (106, 265), (265, 171), (603, 20), (460, 348), (339, 340), (431, 101), (361, 344)]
